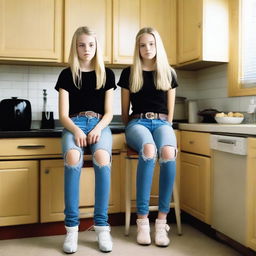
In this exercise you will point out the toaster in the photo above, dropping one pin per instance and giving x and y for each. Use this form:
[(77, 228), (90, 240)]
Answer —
[(15, 114)]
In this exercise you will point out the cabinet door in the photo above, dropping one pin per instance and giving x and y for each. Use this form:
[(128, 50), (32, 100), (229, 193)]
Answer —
[(195, 186), (189, 30), (96, 15), (18, 192), (130, 16), (161, 15), (31, 30), (126, 24), (251, 194), (52, 189)]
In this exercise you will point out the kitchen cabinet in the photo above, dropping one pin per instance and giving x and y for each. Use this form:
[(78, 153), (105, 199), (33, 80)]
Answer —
[(18, 192), (130, 16), (251, 194), (31, 30), (83, 13), (32, 178), (195, 175), (52, 189), (202, 33), (19, 177)]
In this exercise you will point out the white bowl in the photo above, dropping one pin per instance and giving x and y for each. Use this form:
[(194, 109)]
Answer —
[(229, 120)]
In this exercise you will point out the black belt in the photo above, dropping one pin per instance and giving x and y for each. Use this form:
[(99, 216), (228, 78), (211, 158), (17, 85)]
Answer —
[(88, 114), (150, 115)]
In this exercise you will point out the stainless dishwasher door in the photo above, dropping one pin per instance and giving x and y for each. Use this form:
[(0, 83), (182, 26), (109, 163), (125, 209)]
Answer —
[(229, 186)]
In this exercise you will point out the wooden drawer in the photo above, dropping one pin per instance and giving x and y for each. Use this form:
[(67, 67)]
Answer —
[(30, 146), (195, 142)]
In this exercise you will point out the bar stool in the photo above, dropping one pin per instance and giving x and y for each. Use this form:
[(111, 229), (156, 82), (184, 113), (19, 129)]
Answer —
[(131, 155)]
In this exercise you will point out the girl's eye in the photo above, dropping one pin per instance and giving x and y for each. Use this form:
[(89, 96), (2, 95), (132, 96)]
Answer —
[(91, 45), (142, 45)]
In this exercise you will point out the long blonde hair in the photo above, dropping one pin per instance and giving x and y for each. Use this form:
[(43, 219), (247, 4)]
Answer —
[(97, 60), (163, 74)]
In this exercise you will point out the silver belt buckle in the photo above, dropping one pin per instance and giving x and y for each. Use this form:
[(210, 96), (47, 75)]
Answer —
[(89, 113), (150, 115)]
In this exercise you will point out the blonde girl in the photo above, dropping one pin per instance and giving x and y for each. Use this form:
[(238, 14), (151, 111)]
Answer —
[(149, 87)]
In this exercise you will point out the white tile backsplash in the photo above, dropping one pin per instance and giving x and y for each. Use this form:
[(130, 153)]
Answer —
[(208, 86)]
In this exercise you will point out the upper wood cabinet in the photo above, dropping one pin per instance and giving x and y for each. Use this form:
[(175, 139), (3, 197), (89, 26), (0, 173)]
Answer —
[(130, 16), (97, 15), (202, 33), (31, 30)]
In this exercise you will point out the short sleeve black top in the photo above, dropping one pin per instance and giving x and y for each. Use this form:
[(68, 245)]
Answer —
[(148, 99), (87, 98)]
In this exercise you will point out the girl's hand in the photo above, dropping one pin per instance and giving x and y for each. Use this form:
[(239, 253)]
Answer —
[(94, 135), (80, 138)]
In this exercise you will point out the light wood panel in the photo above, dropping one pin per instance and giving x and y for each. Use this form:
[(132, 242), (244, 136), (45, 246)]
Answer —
[(195, 186), (52, 190), (31, 30), (195, 142), (18, 192), (202, 33), (251, 194), (95, 14)]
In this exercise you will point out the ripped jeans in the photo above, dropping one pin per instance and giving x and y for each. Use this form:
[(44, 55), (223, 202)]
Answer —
[(158, 133), (72, 174)]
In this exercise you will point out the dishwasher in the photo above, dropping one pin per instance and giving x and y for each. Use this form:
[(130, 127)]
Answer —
[(229, 186)]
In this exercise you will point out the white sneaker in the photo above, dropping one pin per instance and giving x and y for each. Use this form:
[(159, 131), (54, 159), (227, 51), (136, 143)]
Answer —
[(161, 233), (104, 238), (70, 242), (143, 232)]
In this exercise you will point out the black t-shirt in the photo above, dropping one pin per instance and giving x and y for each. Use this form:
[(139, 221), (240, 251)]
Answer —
[(87, 98), (148, 99)]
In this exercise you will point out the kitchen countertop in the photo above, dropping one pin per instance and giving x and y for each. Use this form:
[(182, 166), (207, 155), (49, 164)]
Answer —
[(116, 127), (246, 129), (53, 133)]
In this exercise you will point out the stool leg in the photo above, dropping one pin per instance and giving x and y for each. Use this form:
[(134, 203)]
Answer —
[(128, 182), (177, 208)]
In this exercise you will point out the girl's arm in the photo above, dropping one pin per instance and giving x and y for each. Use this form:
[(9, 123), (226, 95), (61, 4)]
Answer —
[(95, 133), (125, 105), (80, 137), (170, 103)]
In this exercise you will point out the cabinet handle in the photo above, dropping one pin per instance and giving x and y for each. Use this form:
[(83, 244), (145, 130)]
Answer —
[(30, 146), (46, 171), (199, 25), (191, 142), (227, 141)]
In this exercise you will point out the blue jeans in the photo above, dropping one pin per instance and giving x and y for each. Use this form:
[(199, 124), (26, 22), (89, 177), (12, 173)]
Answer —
[(72, 174), (159, 133)]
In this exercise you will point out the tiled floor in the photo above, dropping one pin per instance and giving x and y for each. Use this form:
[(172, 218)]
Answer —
[(191, 243)]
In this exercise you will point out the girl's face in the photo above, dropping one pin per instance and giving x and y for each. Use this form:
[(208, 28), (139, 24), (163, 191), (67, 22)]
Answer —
[(147, 45), (86, 47)]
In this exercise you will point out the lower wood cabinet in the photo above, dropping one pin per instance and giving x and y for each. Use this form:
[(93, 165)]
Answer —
[(52, 190), (195, 185), (18, 192), (251, 194)]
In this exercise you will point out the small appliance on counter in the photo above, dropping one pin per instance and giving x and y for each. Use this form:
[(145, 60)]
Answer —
[(208, 115), (47, 121), (180, 110), (15, 114), (192, 111)]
